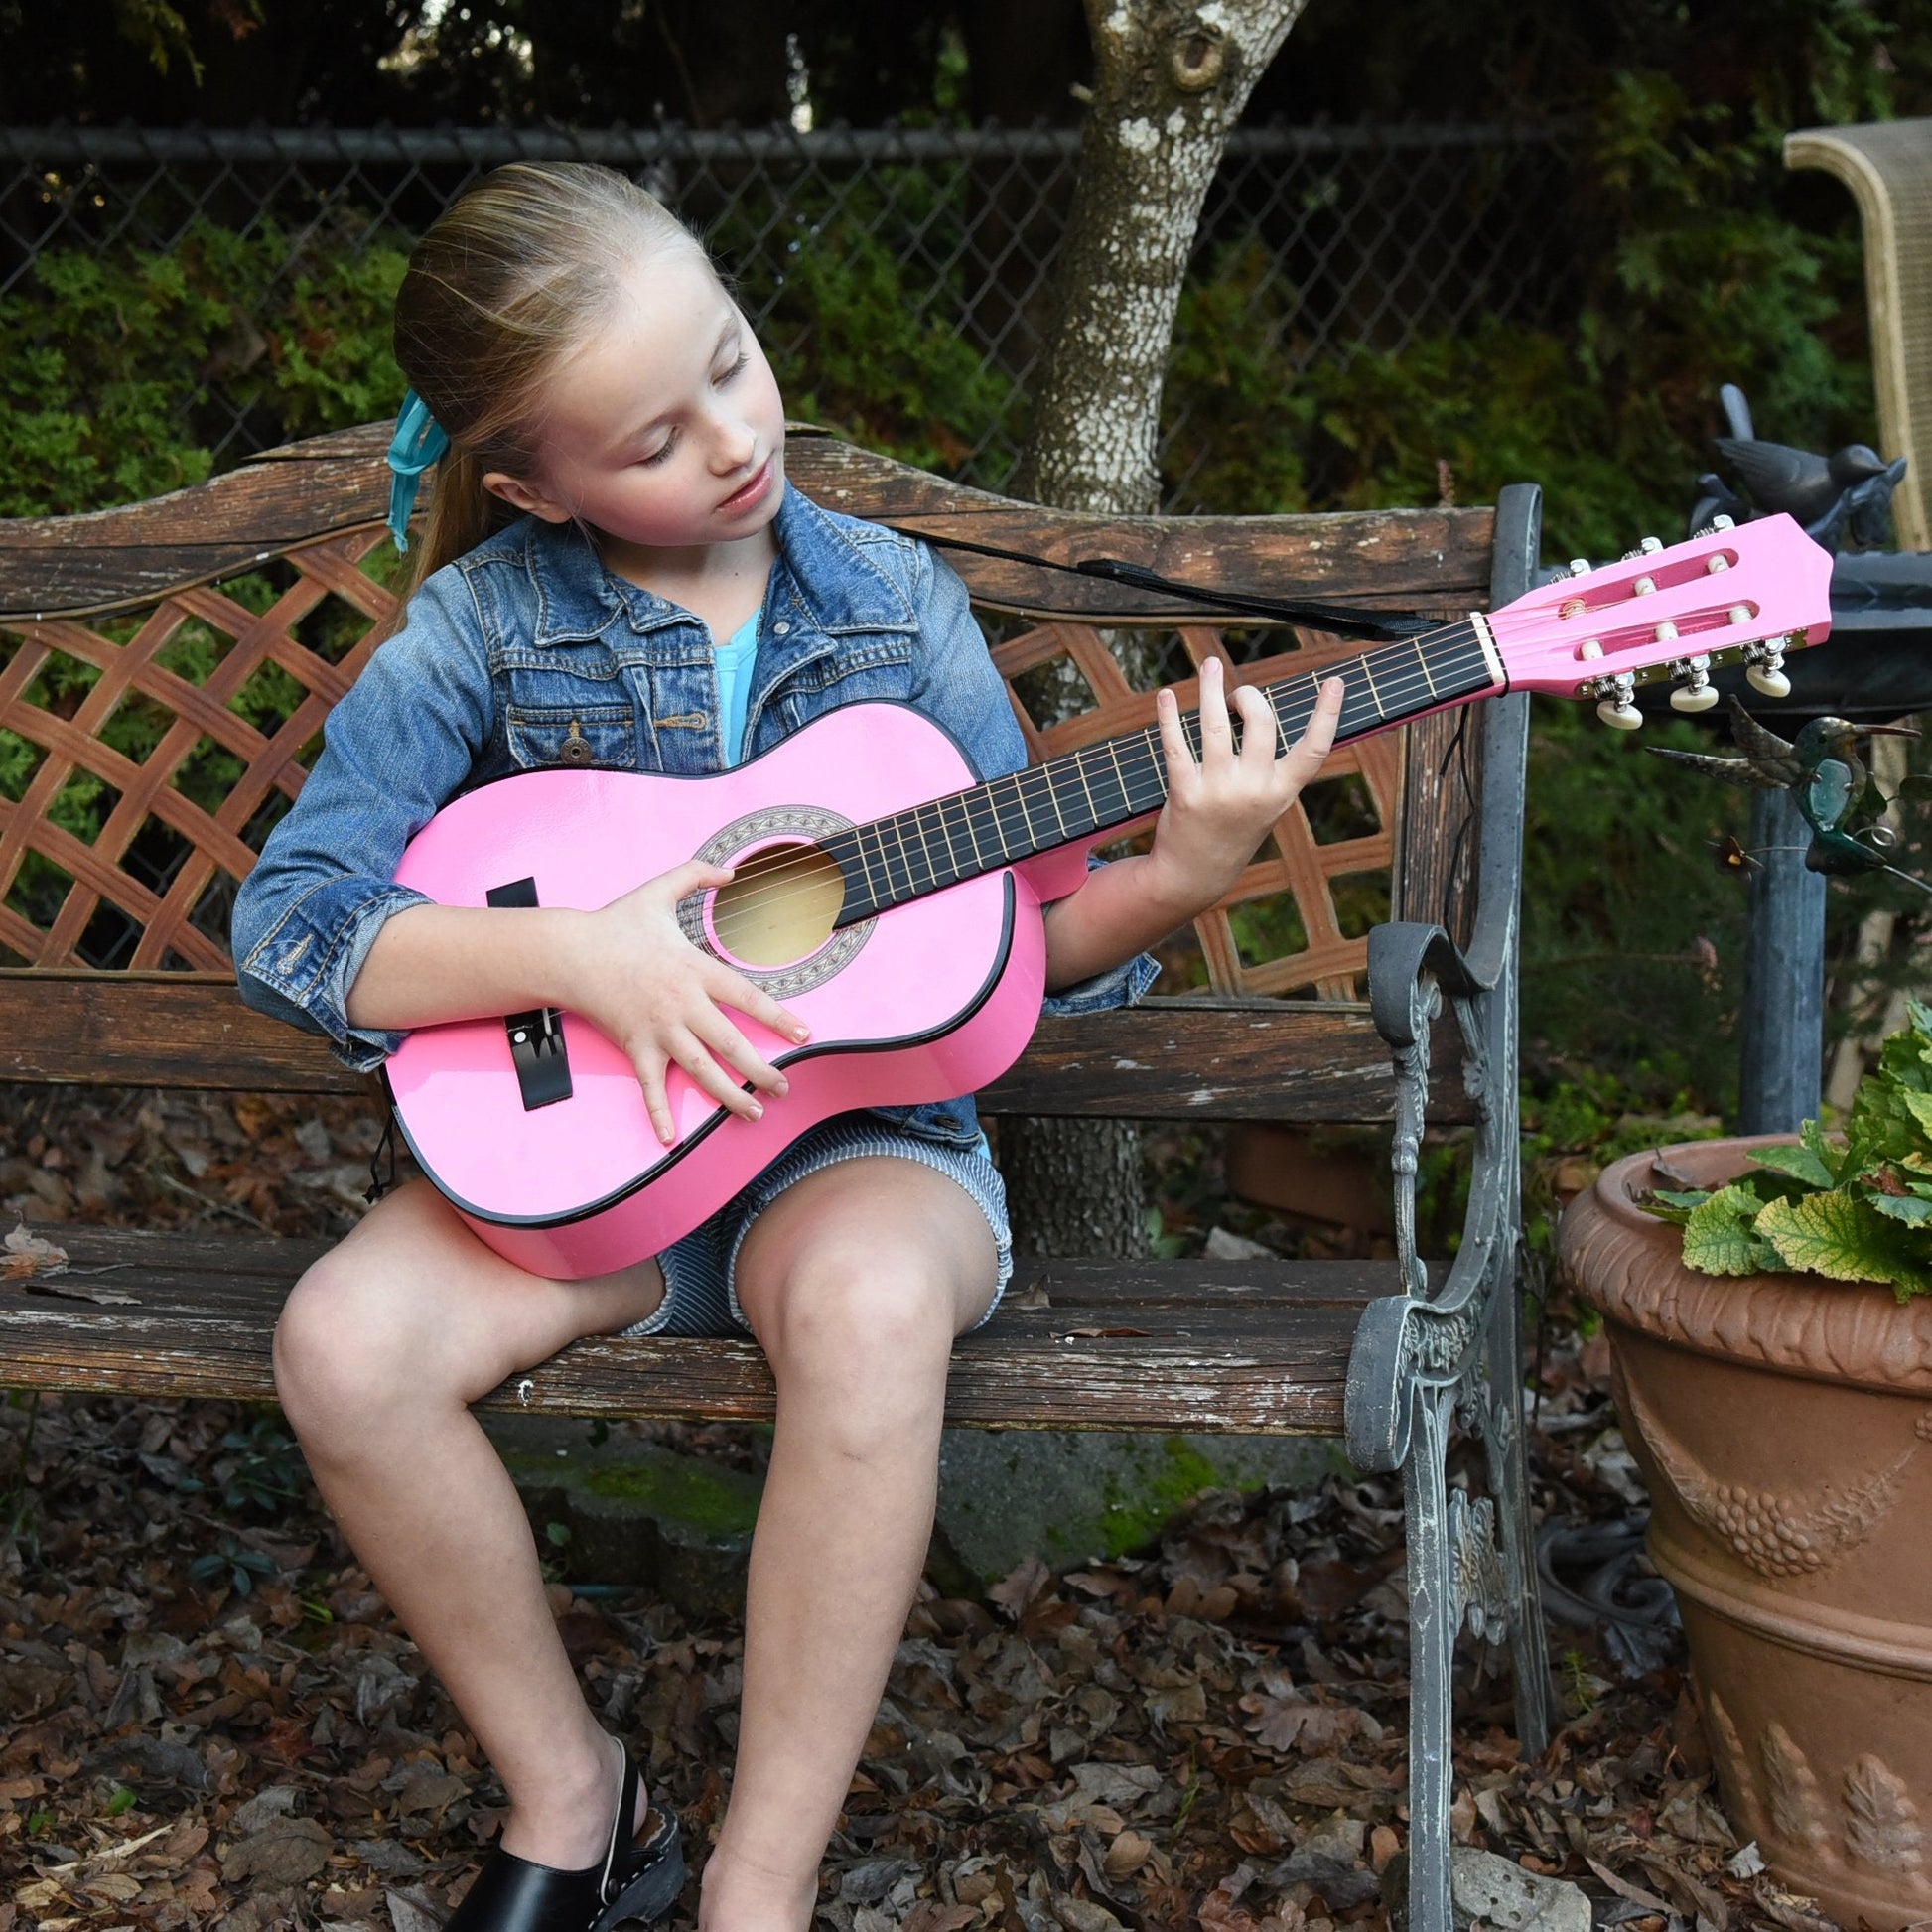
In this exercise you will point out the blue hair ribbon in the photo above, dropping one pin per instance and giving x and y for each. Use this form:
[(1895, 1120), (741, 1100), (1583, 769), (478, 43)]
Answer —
[(419, 439)]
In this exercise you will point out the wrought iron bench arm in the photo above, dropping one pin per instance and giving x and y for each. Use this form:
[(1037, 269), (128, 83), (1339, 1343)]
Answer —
[(1447, 1348)]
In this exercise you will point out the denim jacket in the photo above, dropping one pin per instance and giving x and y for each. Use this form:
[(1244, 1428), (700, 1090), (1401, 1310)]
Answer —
[(525, 646)]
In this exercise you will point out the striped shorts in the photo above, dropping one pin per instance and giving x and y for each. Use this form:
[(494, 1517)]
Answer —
[(700, 1291)]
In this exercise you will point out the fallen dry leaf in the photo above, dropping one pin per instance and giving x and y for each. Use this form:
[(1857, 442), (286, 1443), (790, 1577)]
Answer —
[(1111, 1741), (25, 1254)]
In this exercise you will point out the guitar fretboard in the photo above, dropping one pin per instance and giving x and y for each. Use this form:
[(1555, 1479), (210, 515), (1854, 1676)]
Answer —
[(1081, 793)]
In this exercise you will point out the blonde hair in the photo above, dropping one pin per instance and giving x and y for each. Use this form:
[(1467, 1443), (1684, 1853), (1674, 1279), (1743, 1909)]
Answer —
[(514, 274)]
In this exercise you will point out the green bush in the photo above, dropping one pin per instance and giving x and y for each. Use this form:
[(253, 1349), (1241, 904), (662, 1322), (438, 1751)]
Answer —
[(119, 373)]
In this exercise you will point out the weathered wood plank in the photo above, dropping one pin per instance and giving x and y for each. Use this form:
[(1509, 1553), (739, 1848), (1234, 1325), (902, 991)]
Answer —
[(191, 1272), (117, 559), (77, 1027), (1246, 1345), (1163, 1060)]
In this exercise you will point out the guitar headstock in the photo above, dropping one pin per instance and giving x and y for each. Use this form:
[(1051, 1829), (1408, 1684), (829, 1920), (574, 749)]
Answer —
[(1746, 592)]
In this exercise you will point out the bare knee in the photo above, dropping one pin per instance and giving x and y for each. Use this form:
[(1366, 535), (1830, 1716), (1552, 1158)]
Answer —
[(865, 1335), (350, 1350)]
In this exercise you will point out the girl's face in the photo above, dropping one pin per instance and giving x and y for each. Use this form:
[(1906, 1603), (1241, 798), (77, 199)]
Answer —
[(664, 430)]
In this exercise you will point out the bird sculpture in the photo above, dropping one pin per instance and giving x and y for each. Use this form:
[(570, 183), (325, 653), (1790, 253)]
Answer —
[(1842, 496), (1825, 775)]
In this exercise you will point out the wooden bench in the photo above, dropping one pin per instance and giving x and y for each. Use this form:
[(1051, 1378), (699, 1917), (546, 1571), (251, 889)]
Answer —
[(249, 595)]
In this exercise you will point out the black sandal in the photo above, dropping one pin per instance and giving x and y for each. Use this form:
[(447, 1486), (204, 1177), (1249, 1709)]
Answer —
[(638, 1879)]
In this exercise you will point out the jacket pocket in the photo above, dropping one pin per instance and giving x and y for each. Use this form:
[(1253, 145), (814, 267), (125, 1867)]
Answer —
[(880, 668), (576, 737)]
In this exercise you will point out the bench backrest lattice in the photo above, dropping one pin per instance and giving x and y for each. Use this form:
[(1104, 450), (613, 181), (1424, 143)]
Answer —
[(165, 671)]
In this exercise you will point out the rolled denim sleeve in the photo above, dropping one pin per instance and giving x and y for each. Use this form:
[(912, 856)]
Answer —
[(395, 749), (958, 685)]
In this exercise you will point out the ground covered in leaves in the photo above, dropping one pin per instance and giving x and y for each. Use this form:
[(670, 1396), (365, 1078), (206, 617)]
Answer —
[(207, 1718)]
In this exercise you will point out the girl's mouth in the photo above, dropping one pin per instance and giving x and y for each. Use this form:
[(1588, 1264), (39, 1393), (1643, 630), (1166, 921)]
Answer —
[(754, 492)]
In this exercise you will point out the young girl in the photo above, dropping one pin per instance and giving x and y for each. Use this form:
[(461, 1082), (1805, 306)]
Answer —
[(616, 573)]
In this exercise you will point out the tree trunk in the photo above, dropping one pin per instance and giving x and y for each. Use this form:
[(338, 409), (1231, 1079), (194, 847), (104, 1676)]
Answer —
[(1170, 80)]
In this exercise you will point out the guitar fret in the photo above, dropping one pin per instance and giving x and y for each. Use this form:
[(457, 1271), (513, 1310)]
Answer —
[(990, 825), (952, 857), (935, 860), (1080, 766), (1053, 799), (966, 818), (864, 865), (921, 851), (892, 893), (1120, 778), (1368, 678), (1018, 781), (898, 823)]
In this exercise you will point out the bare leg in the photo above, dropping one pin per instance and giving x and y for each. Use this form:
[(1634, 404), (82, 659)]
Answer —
[(381, 1347), (854, 1283)]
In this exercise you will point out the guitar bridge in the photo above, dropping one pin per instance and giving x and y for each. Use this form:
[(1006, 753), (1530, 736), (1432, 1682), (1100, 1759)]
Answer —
[(536, 1038), (537, 1053)]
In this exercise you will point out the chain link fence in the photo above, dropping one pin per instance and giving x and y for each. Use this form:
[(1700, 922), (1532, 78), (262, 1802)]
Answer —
[(1342, 237)]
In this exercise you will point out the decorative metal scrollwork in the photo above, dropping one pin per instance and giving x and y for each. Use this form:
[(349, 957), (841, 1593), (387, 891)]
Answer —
[(1477, 1564)]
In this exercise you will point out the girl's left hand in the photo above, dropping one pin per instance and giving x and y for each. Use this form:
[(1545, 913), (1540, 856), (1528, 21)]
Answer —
[(1221, 806)]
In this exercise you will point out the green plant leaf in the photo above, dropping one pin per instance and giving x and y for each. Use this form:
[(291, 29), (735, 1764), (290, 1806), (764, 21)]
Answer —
[(1844, 1239), (1913, 1210), (1685, 1197), (1717, 1238), (1800, 1163)]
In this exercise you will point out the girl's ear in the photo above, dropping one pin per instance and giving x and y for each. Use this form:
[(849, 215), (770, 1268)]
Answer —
[(524, 497)]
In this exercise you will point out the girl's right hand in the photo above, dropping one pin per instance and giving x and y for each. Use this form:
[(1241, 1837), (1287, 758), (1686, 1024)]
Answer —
[(634, 975)]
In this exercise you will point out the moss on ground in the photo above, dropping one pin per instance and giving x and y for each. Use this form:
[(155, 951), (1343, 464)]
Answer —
[(1133, 1517)]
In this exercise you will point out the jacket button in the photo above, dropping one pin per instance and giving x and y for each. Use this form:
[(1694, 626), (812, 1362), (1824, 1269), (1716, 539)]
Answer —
[(576, 747), (783, 629)]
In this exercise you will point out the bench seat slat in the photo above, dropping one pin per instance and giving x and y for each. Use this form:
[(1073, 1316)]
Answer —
[(1220, 1345), (1164, 1061)]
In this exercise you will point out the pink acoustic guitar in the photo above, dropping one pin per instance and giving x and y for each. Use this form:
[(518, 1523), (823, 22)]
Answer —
[(894, 902)]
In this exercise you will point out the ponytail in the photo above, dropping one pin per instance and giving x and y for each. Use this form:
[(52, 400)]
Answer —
[(509, 279)]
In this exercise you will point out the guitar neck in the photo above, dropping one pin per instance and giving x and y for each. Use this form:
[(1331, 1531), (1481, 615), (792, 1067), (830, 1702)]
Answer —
[(1070, 800)]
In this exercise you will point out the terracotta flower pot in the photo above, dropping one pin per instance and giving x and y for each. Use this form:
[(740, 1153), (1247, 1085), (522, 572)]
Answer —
[(1784, 1425)]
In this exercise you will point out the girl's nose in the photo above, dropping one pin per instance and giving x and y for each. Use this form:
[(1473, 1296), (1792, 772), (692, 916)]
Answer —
[(734, 442)]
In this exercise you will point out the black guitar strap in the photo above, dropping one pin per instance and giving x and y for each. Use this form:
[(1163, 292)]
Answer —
[(1384, 627)]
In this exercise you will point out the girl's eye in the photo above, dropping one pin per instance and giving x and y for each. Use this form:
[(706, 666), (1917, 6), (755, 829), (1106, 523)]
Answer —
[(663, 450), (726, 374)]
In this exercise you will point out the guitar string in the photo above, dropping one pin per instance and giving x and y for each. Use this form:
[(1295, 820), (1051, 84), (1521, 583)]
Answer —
[(759, 903), (1033, 784)]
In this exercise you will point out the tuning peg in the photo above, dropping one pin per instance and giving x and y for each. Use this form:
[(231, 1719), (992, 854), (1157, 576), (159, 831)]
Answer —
[(1766, 672), (1617, 710), (1698, 694), (1649, 546), (1579, 567), (1724, 523)]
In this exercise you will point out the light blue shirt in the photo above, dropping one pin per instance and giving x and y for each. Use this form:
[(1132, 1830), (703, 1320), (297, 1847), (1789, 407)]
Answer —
[(731, 661)]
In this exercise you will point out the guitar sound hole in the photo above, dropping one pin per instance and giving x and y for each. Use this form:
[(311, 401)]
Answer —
[(781, 907)]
